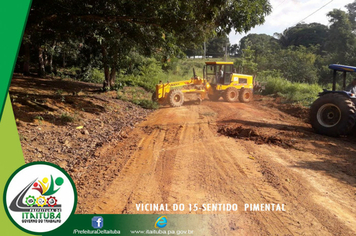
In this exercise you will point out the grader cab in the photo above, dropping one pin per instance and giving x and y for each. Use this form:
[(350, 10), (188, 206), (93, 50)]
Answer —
[(227, 84)]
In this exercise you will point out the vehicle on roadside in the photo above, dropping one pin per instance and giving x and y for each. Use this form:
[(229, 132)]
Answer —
[(219, 80), (334, 112)]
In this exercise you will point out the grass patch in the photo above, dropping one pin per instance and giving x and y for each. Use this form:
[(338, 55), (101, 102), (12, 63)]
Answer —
[(302, 93), (65, 118), (59, 92), (147, 104), (137, 96), (39, 118)]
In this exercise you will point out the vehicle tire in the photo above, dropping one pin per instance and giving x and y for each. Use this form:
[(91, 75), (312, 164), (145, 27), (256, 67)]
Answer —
[(245, 95), (176, 98), (333, 115), (214, 97), (231, 94), (154, 97)]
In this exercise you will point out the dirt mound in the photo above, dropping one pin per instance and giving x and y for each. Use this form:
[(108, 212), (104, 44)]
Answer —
[(76, 132), (254, 135), (295, 110)]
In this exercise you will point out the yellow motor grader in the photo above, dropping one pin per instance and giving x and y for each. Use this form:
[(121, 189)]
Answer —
[(218, 80)]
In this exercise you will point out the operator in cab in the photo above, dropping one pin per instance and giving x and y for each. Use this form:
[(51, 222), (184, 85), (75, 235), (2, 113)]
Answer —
[(351, 87)]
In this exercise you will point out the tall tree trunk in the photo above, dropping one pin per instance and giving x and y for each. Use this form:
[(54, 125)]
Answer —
[(113, 70), (46, 62), (51, 57), (41, 65), (50, 63), (106, 84), (112, 77), (26, 62)]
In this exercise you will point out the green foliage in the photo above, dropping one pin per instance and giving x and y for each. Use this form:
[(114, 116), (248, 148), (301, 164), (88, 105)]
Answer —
[(65, 117), (304, 35), (39, 118), (294, 92), (261, 44), (269, 73), (215, 47), (147, 72), (246, 64), (296, 64), (92, 34), (341, 43), (137, 96), (147, 104), (59, 92), (93, 75)]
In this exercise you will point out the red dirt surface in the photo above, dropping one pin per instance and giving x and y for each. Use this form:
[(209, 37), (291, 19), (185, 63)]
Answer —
[(216, 152)]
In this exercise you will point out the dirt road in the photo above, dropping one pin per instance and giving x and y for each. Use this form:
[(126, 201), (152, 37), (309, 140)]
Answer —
[(186, 155)]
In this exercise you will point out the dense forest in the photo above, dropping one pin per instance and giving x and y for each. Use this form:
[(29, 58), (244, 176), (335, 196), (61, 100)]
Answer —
[(138, 43)]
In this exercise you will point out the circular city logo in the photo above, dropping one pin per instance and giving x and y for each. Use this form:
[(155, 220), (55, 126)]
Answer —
[(39, 197)]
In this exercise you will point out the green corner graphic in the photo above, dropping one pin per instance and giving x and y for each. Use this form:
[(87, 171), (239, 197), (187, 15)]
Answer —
[(13, 15)]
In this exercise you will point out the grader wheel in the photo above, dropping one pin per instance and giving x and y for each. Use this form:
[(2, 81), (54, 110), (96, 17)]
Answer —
[(245, 95), (231, 95), (176, 98)]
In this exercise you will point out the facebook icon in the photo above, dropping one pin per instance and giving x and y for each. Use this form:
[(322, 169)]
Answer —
[(97, 222)]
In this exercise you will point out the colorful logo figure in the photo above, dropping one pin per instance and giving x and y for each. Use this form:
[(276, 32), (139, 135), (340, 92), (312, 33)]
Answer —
[(97, 222), (45, 188), (161, 222)]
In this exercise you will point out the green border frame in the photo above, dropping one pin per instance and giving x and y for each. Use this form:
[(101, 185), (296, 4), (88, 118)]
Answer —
[(31, 164)]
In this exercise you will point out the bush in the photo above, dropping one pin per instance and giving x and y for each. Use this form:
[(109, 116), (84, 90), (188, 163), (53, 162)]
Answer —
[(93, 75), (137, 96), (149, 72), (295, 63), (147, 104), (65, 117), (294, 92)]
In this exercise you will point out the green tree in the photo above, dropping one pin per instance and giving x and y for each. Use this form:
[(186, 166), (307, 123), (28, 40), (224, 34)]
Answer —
[(296, 64), (119, 26), (304, 35), (341, 42), (263, 45), (246, 64), (216, 46), (351, 8)]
